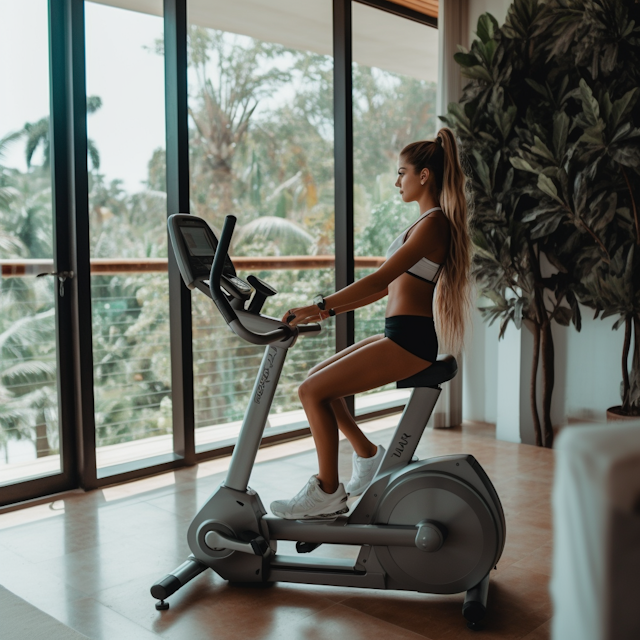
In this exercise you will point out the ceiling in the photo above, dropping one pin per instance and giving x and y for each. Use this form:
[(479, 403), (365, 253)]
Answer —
[(380, 39)]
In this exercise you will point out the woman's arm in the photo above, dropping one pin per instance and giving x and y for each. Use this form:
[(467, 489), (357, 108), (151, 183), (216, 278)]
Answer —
[(424, 238), (359, 303), (315, 315)]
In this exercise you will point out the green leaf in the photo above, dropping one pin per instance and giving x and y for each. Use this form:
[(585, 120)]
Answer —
[(538, 87), (618, 323), (488, 50), (517, 313), (462, 121), (560, 132), (488, 137), (545, 222), (547, 186), (483, 172), (606, 107), (522, 164), (487, 25), (563, 315), (504, 323), (590, 106), (477, 73), (593, 135), (541, 149), (465, 59)]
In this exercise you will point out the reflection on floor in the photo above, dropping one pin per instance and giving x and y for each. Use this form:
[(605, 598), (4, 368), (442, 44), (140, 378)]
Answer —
[(90, 559)]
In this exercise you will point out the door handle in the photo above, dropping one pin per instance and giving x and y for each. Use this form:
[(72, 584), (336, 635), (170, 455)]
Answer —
[(61, 275)]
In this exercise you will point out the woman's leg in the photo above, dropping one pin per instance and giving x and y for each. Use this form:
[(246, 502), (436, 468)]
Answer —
[(372, 365), (346, 423)]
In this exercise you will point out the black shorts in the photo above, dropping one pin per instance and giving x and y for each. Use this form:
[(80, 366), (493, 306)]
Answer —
[(415, 334)]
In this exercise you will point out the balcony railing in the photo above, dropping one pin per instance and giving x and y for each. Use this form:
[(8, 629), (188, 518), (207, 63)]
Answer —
[(132, 366), (107, 266)]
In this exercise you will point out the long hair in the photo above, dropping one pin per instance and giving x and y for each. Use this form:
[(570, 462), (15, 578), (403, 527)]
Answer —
[(452, 299)]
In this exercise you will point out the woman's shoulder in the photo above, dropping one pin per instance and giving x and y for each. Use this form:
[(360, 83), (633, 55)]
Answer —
[(434, 221)]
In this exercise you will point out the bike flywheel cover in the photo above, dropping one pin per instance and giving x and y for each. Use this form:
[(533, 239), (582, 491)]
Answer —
[(470, 547)]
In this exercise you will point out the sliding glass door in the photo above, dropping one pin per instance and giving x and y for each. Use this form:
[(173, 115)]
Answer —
[(30, 440)]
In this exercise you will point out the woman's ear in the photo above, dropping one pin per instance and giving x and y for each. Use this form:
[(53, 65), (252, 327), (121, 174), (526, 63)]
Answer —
[(424, 176)]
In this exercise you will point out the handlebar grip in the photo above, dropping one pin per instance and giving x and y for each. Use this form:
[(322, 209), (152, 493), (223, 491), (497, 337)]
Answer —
[(216, 271), (283, 333), (314, 327)]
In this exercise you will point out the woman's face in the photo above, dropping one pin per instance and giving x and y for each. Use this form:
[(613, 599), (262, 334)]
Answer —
[(409, 182)]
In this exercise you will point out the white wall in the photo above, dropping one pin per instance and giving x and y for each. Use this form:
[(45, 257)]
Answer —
[(587, 364), (497, 8)]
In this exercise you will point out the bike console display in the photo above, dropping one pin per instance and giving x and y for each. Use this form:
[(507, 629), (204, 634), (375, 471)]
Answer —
[(205, 265), (195, 245)]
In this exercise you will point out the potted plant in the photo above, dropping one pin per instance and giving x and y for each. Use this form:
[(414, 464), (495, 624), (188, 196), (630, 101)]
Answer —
[(599, 44), (540, 161)]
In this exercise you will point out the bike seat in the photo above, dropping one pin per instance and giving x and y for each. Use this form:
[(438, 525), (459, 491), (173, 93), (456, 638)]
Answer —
[(443, 370)]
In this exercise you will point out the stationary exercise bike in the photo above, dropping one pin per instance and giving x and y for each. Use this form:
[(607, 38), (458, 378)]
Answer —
[(433, 526)]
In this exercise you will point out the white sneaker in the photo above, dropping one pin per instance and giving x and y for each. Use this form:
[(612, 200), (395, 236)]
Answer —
[(364, 471), (312, 502)]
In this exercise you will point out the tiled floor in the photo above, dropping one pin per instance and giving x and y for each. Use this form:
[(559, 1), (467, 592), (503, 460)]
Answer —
[(90, 559)]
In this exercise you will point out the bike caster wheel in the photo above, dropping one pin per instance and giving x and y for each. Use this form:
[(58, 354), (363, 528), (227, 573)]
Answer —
[(162, 605)]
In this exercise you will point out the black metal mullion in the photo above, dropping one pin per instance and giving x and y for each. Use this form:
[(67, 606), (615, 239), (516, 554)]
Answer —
[(175, 52), (80, 291), (62, 202), (343, 153)]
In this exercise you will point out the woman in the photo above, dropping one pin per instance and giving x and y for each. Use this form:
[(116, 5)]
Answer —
[(434, 250)]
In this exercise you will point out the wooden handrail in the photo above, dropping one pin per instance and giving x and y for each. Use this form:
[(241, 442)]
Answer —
[(110, 266), (428, 7)]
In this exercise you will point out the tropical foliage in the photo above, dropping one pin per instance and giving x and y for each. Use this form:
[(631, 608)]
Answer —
[(550, 122)]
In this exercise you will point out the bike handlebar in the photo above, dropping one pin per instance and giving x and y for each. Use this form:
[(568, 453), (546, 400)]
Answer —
[(220, 299)]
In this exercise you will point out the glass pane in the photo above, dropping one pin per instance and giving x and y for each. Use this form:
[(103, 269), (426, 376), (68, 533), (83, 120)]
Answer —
[(395, 73), (129, 286), (29, 430), (261, 106)]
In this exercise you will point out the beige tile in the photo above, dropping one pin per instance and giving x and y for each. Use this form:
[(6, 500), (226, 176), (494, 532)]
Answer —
[(100, 622), (89, 559), (539, 561), (340, 621), (112, 563), (543, 632), (209, 607)]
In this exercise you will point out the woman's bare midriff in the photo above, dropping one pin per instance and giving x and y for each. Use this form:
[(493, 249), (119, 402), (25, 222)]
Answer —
[(409, 296)]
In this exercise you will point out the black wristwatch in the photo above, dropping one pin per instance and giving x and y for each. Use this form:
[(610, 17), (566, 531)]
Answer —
[(319, 301)]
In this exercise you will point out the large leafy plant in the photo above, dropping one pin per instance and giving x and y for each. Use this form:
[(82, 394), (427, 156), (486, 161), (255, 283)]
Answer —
[(549, 124)]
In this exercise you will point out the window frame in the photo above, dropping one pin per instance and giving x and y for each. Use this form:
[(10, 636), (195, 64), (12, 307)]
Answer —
[(71, 244)]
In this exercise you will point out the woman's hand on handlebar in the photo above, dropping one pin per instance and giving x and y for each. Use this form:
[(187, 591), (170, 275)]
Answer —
[(304, 315)]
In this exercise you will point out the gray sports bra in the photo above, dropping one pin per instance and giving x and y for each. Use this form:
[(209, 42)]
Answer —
[(423, 269)]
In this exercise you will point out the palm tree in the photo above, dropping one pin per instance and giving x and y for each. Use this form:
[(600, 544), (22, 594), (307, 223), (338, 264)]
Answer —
[(37, 134), (28, 396)]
